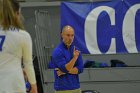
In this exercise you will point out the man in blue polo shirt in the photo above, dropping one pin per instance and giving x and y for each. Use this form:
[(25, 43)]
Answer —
[(68, 64)]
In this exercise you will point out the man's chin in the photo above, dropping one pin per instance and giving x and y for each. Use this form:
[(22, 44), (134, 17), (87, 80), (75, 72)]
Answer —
[(68, 44)]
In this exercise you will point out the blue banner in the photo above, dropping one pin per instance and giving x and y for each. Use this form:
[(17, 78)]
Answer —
[(109, 27)]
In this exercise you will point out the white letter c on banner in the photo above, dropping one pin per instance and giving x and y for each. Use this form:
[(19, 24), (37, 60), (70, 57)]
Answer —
[(129, 29), (91, 31)]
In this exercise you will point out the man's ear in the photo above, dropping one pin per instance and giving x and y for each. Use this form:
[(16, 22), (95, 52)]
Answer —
[(61, 36)]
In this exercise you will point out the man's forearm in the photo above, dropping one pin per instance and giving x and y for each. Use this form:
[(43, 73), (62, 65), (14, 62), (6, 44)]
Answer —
[(71, 64), (72, 71)]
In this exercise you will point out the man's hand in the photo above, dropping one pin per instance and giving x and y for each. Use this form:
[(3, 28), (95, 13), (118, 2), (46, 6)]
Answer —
[(59, 72), (76, 53), (74, 71)]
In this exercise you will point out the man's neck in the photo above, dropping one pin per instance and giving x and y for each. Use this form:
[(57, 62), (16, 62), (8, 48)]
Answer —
[(68, 46)]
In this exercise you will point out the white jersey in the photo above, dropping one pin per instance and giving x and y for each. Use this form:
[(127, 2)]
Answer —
[(15, 45)]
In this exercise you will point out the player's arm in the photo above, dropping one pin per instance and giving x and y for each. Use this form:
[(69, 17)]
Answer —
[(27, 61)]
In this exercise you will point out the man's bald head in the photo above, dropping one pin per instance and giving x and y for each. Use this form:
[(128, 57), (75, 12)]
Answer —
[(67, 28), (67, 35)]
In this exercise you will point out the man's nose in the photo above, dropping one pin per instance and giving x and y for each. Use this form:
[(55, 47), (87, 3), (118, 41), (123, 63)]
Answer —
[(71, 37)]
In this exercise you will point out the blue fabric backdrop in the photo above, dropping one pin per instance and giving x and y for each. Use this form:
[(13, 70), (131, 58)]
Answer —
[(104, 27)]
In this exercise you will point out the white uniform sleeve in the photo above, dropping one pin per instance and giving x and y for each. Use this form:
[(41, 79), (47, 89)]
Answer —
[(27, 58)]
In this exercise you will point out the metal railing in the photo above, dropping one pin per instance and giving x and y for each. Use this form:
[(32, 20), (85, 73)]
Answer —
[(43, 40)]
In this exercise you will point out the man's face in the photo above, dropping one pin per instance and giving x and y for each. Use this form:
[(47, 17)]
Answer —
[(68, 36)]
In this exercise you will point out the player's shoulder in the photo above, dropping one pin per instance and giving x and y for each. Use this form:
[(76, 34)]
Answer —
[(24, 32)]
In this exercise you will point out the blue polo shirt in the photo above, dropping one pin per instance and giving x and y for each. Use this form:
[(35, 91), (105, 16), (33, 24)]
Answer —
[(60, 57)]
